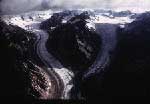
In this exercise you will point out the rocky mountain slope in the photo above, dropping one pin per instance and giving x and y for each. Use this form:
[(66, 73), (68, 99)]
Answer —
[(20, 77), (74, 44)]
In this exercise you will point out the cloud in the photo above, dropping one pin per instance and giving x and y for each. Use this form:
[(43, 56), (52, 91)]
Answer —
[(16, 6)]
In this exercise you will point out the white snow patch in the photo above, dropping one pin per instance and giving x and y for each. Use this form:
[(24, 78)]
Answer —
[(27, 19), (64, 21), (90, 24), (111, 20), (66, 76)]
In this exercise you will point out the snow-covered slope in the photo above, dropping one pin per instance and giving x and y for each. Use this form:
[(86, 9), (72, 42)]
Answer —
[(26, 19), (97, 16)]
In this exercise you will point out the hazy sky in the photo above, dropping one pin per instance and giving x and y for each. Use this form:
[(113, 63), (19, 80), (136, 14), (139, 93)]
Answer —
[(8, 6)]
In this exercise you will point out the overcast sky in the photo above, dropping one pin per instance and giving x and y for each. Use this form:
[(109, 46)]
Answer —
[(10, 6)]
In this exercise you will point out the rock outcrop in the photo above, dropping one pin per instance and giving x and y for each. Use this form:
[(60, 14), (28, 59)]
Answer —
[(20, 77), (74, 44)]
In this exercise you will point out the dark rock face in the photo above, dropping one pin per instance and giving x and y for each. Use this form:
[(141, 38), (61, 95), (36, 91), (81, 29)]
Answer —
[(74, 44), (56, 19), (128, 73), (18, 73)]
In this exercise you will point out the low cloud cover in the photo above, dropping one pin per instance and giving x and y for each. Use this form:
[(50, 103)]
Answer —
[(17, 6)]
